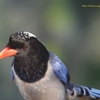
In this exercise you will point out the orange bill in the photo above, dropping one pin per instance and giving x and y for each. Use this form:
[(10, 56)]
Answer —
[(6, 52)]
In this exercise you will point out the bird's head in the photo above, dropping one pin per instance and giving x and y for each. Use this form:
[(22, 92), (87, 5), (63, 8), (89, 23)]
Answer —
[(21, 43)]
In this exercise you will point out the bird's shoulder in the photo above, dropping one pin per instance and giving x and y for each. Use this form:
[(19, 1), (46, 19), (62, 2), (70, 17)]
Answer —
[(59, 69)]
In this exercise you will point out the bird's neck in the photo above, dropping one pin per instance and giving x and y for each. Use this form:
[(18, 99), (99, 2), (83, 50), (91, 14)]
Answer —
[(31, 68)]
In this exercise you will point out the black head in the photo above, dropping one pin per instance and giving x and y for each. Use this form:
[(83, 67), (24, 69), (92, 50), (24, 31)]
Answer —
[(30, 56), (25, 42), (22, 40)]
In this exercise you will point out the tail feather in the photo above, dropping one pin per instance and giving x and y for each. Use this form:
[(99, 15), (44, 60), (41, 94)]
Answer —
[(82, 91)]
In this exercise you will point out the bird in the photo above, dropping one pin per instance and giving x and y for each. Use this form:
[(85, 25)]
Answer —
[(39, 73)]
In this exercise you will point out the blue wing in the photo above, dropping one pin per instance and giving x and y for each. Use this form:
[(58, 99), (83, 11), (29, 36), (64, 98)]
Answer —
[(83, 92), (59, 68), (73, 90), (12, 73)]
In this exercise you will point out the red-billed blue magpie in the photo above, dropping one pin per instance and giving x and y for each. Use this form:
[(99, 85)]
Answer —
[(40, 74)]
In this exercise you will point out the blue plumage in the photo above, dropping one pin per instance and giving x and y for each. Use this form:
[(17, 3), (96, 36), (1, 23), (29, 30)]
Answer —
[(12, 74), (59, 68), (34, 78), (73, 90), (83, 91), (95, 93)]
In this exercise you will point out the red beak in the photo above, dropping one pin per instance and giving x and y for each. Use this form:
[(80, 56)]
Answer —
[(6, 52)]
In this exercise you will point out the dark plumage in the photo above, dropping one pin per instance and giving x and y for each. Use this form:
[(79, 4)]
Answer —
[(40, 74), (26, 68)]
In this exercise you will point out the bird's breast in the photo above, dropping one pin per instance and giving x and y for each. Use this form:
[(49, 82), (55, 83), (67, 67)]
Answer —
[(48, 88)]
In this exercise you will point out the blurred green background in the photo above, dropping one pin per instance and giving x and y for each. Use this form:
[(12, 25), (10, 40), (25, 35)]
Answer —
[(64, 26)]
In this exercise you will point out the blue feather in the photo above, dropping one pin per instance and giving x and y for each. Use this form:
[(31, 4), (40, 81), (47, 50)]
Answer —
[(73, 90), (59, 68), (12, 73), (83, 91), (94, 93)]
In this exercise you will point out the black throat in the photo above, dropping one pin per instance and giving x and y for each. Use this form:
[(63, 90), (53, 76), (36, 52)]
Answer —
[(31, 66)]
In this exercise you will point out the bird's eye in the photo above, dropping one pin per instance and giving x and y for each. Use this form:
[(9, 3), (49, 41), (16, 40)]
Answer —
[(24, 47)]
